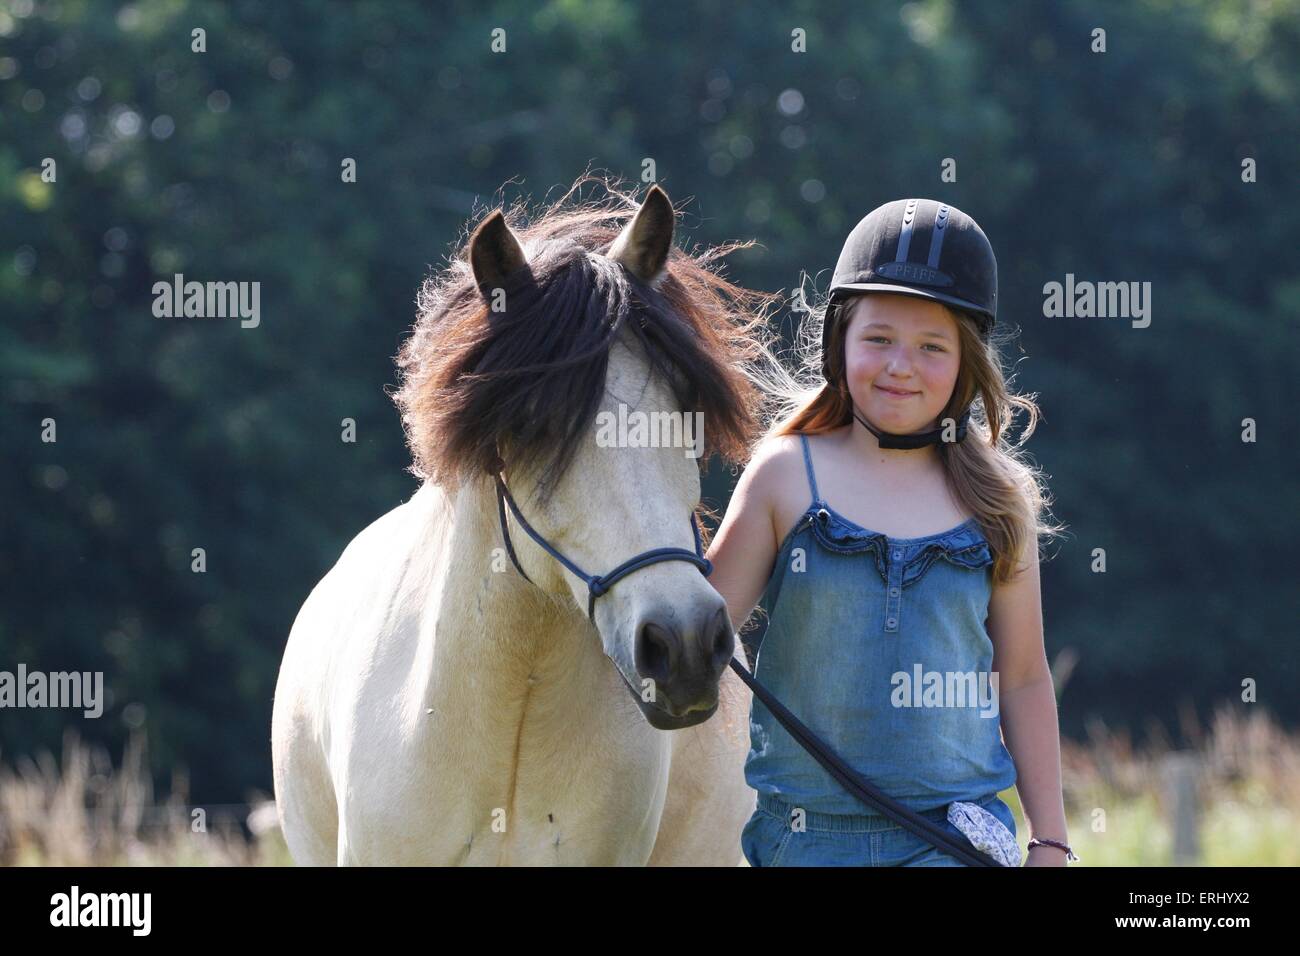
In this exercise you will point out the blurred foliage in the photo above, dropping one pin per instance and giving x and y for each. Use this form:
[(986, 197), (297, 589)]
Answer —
[(225, 165)]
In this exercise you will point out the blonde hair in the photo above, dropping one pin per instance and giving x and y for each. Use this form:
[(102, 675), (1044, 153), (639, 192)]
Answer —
[(988, 475)]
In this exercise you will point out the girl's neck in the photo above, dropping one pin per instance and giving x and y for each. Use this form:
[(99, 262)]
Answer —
[(863, 445)]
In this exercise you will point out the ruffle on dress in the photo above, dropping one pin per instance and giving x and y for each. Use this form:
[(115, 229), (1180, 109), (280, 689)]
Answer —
[(963, 546)]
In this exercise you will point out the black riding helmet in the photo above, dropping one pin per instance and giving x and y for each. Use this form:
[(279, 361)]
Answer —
[(918, 247)]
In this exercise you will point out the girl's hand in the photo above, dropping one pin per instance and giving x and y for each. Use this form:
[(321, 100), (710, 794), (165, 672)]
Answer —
[(1046, 856)]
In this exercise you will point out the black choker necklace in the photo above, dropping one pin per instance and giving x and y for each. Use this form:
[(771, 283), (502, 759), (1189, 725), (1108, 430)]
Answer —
[(933, 437)]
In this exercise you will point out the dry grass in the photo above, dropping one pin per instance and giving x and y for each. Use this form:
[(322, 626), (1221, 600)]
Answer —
[(1246, 786), (82, 810)]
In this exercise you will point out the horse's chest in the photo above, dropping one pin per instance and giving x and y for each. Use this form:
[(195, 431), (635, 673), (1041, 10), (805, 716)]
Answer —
[(537, 794)]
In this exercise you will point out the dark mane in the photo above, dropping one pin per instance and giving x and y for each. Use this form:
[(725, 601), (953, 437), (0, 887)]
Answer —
[(532, 376)]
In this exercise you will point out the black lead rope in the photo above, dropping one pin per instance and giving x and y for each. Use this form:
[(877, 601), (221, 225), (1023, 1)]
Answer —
[(858, 785)]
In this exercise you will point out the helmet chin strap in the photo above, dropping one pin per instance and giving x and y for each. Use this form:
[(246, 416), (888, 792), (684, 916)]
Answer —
[(919, 440)]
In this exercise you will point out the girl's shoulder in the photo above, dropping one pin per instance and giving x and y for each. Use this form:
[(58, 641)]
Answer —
[(777, 447), (785, 454), (776, 459), (778, 476)]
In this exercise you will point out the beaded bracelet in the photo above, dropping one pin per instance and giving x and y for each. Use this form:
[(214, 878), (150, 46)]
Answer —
[(1069, 853)]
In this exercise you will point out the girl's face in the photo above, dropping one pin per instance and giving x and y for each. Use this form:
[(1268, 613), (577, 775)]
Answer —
[(901, 357)]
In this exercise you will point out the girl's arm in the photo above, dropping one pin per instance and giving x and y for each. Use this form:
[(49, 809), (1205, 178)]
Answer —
[(1027, 704), (745, 546)]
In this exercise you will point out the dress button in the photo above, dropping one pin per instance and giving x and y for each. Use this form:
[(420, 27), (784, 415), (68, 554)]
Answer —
[(893, 621), (893, 591), (898, 555)]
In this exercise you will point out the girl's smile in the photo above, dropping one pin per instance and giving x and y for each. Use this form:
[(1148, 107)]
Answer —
[(896, 392)]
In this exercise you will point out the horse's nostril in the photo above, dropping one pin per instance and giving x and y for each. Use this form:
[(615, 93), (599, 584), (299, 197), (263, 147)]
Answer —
[(656, 652), (724, 641)]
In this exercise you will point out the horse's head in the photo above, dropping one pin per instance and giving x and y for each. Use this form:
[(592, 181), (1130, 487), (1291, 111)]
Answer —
[(602, 366)]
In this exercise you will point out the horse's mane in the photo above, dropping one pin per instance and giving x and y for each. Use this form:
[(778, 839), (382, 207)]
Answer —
[(532, 377)]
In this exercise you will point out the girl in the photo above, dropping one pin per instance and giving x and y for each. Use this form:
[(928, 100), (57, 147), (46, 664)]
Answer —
[(900, 535)]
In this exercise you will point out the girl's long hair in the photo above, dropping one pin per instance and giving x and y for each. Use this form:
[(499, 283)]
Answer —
[(991, 477)]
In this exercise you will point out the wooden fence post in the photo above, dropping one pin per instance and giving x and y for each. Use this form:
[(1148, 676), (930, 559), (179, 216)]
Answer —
[(1181, 771)]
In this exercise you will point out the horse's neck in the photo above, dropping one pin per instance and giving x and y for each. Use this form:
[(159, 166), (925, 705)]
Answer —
[(498, 648)]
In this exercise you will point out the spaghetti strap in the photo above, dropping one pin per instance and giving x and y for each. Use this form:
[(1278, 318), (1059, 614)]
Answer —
[(812, 475)]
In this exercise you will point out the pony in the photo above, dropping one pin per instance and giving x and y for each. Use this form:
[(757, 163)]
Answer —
[(434, 705)]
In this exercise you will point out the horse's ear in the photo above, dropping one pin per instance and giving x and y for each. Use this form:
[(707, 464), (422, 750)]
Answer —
[(494, 252), (642, 247)]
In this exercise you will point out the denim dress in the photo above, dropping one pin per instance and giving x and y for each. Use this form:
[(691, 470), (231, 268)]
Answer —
[(879, 645)]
